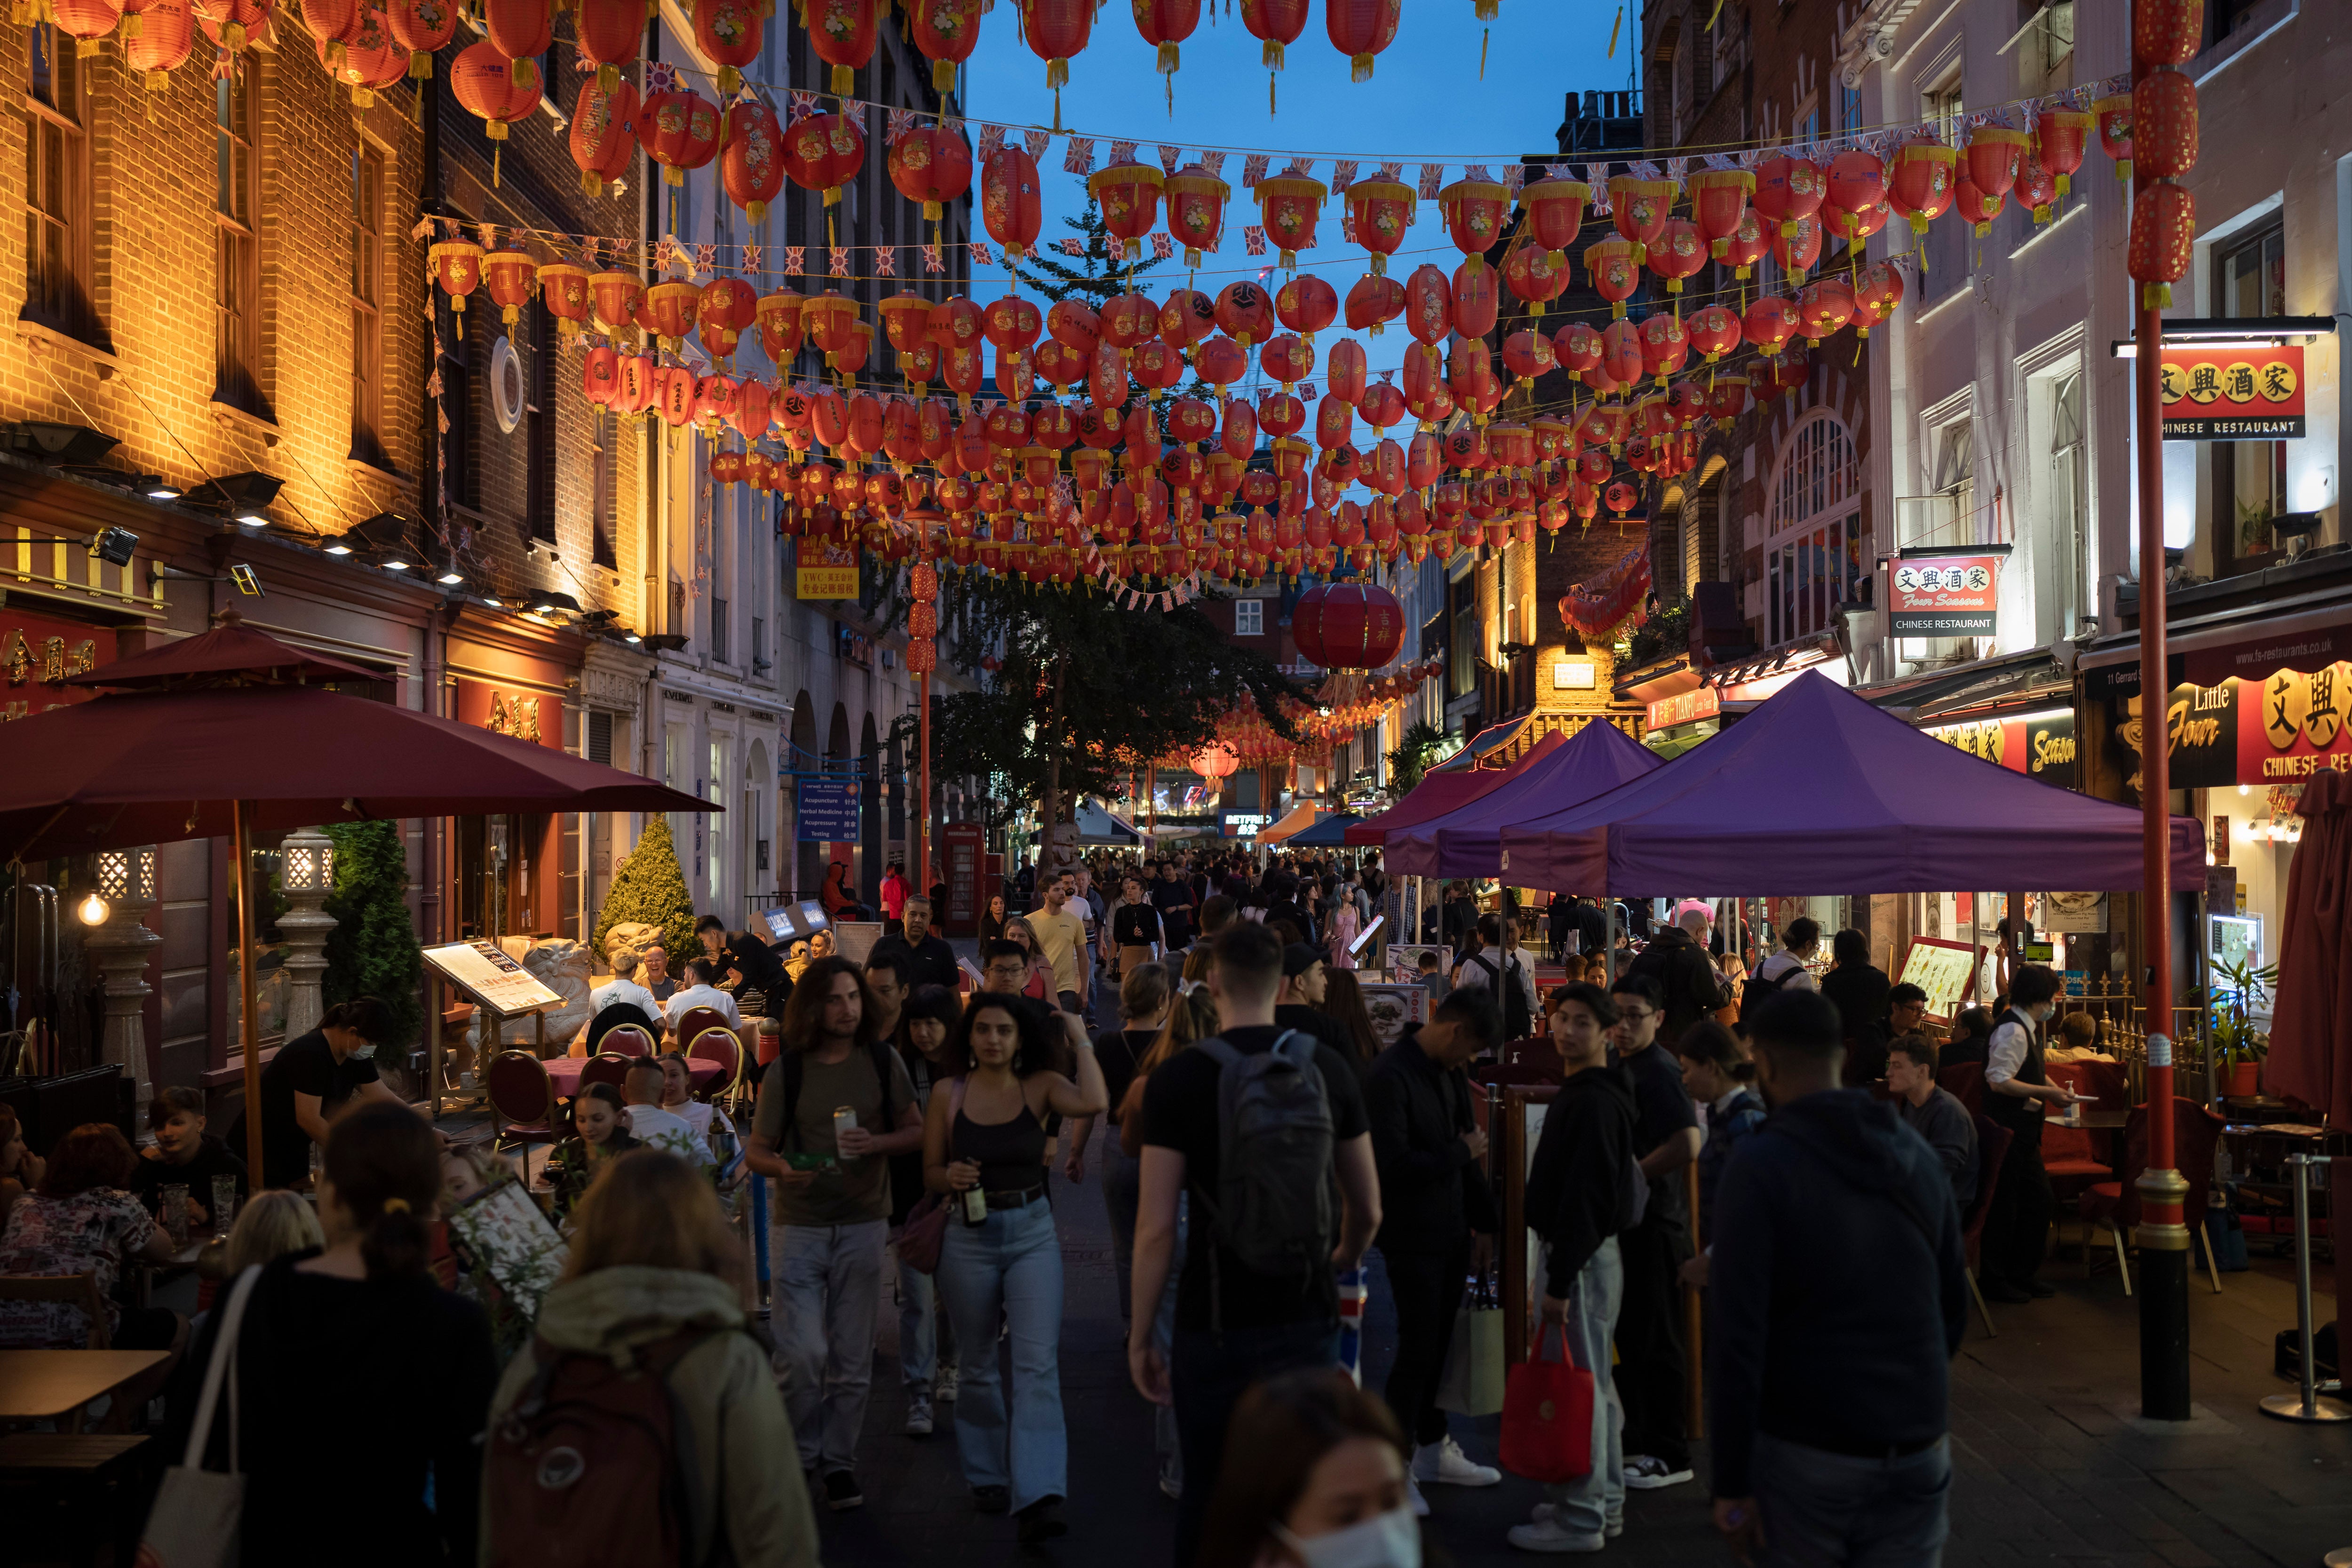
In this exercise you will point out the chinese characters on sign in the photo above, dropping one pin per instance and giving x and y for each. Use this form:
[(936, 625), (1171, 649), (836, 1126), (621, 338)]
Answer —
[(2039, 745), (2238, 393), (1944, 596), (36, 653)]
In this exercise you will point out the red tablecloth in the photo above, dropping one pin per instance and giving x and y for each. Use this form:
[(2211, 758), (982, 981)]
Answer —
[(563, 1073)]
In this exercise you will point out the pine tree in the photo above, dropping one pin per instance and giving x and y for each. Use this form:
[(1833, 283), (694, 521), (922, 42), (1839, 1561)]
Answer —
[(1094, 279), (649, 888), (374, 951)]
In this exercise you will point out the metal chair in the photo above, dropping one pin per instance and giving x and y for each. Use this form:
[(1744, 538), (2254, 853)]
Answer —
[(2196, 1133), (607, 1066), (1993, 1147), (627, 1040), (522, 1101), (74, 1289), (691, 1023), (723, 1046)]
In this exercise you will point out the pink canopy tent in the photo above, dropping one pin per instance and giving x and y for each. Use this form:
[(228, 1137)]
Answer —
[(1438, 793), (1818, 792), (1469, 840)]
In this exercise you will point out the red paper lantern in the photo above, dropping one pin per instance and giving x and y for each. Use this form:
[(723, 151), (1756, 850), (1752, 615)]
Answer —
[(563, 287), (1615, 268), (1057, 30), (1677, 253), (457, 266), (2035, 188), (1715, 331), (1373, 301), (1528, 354), (424, 27), (1727, 399), (1922, 185), (1306, 304), (2163, 235), (2167, 33), (1824, 306), (1798, 245), (1991, 158), (728, 306), (2063, 135), (1770, 324), (1360, 29), (608, 33), (1719, 200), (603, 137), (1008, 193), (1474, 212), (1477, 300), (1289, 205), (728, 31), (1244, 311), (1196, 210), (824, 152), (1857, 185), (497, 88), (779, 317), (2164, 124), (752, 169), (840, 32), (677, 129), (166, 37), (613, 294), (506, 276), (1347, 625), (1638, 208), (331, 23), (372, 61), (229, 23), (1666, 344), (1535, 274), (518, 29), (1976, 208), (1165, 24), (600, 375), (1789, 190), (1877, 296), (1750, 243), (1379, 216), (930, 164), (1127, 193), (1621, 351), (2114, 117)]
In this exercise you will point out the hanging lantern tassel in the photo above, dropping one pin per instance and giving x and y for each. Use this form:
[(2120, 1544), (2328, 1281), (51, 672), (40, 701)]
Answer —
[(1485, 8)]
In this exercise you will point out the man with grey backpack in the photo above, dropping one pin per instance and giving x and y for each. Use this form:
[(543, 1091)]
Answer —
[(1266, 1128)]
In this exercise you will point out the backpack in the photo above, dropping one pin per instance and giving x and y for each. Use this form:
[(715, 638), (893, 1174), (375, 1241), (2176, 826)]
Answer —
[(1276, 1208), (586, 1464), (1756, 988), (1510, 997), (794, 1071)]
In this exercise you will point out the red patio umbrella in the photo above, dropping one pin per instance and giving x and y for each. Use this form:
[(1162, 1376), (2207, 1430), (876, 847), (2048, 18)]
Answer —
[(227, 733), (2311, 1034)]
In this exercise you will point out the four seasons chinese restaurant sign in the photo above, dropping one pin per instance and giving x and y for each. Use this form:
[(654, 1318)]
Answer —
[(2237, 393)]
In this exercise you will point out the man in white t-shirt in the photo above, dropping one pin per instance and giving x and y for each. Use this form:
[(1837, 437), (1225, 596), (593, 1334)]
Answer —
[(649, 1123), (699, 992), (624, 988)]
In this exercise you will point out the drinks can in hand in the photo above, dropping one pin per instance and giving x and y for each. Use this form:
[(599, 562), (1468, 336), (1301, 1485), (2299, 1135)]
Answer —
[(975, 1206), (843, 1118)]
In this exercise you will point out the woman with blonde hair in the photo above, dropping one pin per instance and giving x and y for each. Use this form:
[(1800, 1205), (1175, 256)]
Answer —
[(272, 1224), (654, 1281)]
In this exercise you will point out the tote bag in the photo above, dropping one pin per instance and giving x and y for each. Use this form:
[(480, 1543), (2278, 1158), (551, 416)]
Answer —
[(1472, 1384), (1548, 1416), (195, 1522)]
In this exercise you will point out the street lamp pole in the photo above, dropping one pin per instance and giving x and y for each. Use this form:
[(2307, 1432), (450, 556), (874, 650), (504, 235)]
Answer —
[(2162, 1235)]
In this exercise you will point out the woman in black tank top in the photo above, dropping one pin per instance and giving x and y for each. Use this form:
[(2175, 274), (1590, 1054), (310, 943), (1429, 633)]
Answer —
[(986, 1149)]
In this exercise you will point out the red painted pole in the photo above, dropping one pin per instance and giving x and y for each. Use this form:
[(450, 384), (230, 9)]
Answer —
[(2162, 1235), (923, 805)]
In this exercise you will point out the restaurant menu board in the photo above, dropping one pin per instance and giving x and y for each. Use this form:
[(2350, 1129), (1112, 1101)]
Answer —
[(854, 940), (1946, 971), (1394, 1009), (1404, 959), (505, 1230), (491, 978)]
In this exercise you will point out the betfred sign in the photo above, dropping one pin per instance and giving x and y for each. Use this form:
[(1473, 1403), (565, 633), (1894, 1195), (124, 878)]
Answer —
[(1943, 596), (2236, 392)]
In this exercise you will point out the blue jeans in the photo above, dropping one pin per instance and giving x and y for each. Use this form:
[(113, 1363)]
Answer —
[(1009, 1266), (1821, 1509), (1167, 1440), (1209, 1372), (1597, 1499), (827, 1292), (925, 1336), (1122, 1188)]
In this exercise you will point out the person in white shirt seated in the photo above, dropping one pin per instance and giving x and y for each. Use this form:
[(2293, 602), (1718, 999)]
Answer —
[(699, 992), (649, 1123), (624, 988), (677, 1099)]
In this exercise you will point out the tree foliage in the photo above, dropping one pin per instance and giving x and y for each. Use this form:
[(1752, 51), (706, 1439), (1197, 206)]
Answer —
[(374, 951), (649, 888), (1410, 757)]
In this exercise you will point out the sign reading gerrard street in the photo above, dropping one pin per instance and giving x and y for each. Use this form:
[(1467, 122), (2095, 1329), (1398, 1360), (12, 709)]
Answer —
[(1943, 596), (2236, 392)]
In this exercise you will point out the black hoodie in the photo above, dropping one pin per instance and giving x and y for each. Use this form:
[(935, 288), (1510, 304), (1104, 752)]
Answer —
[(1838, 1286), (1584, 1161), (1686, 978)]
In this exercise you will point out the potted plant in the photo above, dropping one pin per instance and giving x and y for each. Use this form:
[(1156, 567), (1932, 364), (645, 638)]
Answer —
[(2239, 991)]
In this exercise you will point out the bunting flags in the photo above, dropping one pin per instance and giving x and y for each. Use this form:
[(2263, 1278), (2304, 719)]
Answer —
[(931, 259), (991, 138), (1169, 157), (1254, 238), (1253, 169), (1081, 158), (1433, 179), (1343, 174)]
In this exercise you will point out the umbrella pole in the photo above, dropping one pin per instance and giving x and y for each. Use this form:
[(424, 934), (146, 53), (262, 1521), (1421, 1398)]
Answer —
[(2162, 1233), (248, 1023), (1609, 934), (923, 812)]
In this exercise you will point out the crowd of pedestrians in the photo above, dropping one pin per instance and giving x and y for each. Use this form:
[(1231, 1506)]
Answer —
[(1255, 1139)]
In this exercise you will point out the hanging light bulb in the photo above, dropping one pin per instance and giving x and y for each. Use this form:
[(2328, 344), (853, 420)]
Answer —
[(92, 910)]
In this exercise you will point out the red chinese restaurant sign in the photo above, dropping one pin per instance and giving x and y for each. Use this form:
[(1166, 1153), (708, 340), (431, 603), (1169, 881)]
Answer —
[(2236, 392), (1952, 595), (36, 653)]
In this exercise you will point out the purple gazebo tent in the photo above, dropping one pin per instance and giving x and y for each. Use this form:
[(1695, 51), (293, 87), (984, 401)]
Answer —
[(1469, 840), (1438, 793), (1818, 792)]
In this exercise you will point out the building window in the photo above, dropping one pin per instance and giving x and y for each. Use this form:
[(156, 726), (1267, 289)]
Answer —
[(758, 643), (236, 249), (1945, 244), (539, 421), (367, 304), (720, 648), (56, 187), (1812, 554), (1249, 617), (1955, 486), (460, 475), (2249, 477), (2068, 595), (604, 510), (1463, 638)]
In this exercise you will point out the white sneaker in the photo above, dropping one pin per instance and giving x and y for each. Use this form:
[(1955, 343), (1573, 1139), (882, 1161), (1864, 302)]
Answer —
[(1545, 1512), (918, 1415), (1551, 1536), (946, 1391), (1645, 1474), (1445, 1464), (1413, 1495)]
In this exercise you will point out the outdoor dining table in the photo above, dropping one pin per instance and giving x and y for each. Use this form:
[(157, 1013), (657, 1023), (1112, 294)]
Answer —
[(45, 1385), (563, 1073)]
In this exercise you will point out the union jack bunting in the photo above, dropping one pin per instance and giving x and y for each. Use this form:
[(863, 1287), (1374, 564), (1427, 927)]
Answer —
[(1305, 392), (665, 253), (1162, 246), (1392, 171), (1081, 158), (840, 266), (980, 255), (1514, 177), (661, 77), (1432, 178), (1476, 172), (754, 257), (1074, 246), (1216, 164), (1560, 171), (1253, 170), (1302, 166), (706, 257), (931, 261), (886, 261), (1641, 169), (1036, 140), (1677, 168), (992, 137), (803, 105), (1717, 159), (795, 260), (1169, 157), (1122, 151), (1343, 174), (1254, 238)]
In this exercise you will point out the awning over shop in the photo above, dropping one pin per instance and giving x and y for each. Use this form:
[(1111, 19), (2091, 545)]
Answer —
[(1328, 834), (1818, 792), (2033, 676), (1301, 819), (1468, 841), (1439, 792)]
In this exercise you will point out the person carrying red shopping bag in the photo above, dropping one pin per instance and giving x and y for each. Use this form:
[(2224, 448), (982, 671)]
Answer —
[(1582, 1189)]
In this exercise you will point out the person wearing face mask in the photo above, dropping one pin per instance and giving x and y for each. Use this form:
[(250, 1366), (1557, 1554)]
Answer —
[(1314, 1477), (2017, 1226), (312, 1080)]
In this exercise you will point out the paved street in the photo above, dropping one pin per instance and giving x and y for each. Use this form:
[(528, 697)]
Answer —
[(2052, 1466)]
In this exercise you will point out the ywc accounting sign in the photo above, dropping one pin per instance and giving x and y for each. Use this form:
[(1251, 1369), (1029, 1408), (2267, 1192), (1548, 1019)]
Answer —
[(2237, 393), (1943, 596)]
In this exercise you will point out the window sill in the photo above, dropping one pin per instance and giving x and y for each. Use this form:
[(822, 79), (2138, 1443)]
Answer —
[(355, 464), (39, 337), (2260, 24), (230, 414)]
